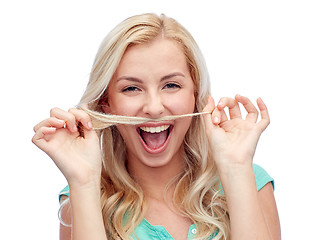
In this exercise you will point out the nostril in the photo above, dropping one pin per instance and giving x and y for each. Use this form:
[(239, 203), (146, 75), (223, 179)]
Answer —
[(154, 108)]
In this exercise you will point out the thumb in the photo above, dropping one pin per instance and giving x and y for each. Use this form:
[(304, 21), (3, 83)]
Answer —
[(210, 106)]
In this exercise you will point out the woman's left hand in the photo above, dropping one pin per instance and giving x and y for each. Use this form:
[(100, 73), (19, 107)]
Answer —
[(233, 140)]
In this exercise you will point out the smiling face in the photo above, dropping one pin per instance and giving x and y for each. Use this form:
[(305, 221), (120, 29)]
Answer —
[(152, 80)]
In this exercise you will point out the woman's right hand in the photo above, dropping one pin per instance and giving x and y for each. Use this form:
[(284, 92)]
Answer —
[(76, 152)]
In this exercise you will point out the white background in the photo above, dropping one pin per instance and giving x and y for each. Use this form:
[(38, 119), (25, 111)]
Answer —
[(255, 48)]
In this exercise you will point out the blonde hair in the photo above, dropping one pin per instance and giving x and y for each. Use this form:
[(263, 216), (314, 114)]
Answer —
[(197, 190), (101, 121)]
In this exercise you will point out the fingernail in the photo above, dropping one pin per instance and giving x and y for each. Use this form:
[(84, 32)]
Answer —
[(61, 121), (89, 125), (216, 120)]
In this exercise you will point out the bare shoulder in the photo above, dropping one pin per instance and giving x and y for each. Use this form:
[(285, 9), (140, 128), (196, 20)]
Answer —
[(269, 208), (66, 217)]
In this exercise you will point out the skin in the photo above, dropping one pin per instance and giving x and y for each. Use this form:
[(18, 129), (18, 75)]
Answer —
[(142, 87), (234, 143), (153, 81)]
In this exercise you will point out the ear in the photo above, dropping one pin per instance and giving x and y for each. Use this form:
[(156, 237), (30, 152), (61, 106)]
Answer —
[(106, 108), (103, 103)]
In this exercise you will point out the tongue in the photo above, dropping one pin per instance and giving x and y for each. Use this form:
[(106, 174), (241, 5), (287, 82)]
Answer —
[(154, 140)]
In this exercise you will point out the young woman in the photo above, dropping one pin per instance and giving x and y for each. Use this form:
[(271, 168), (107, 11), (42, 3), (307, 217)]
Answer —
[(159, 179)]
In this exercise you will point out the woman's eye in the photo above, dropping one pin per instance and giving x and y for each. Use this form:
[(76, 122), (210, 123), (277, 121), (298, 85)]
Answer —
[(130, 89), (172, 85)]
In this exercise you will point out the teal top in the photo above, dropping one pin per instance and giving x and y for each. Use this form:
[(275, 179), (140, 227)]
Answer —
[(147, 231)]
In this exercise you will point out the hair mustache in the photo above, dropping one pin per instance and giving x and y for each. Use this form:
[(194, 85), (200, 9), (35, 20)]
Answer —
[(102, 120)]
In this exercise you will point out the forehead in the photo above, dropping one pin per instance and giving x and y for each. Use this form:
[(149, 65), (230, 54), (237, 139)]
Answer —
[(160, 55)]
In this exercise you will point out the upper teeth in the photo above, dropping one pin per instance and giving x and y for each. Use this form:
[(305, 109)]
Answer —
[(155, 129)]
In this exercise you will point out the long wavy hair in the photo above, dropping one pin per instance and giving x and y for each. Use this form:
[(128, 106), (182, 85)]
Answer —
[(197, 193)]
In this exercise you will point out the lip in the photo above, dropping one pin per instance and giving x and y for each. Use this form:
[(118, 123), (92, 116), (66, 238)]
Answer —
[(154, 124), (161, 148)]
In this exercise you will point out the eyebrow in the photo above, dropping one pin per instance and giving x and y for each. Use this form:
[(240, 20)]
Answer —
[(175, 74), (134, 79)]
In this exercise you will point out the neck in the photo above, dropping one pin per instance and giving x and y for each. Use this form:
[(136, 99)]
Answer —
[(155, 180)]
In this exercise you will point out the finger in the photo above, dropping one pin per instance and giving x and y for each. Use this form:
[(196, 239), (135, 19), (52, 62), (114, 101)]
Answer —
[(68, 117), (252, 112), (265, 119), (82, 117), (232, 104), (218, 116), (223, 115), (50, 122), (39, 137), (209, 108)]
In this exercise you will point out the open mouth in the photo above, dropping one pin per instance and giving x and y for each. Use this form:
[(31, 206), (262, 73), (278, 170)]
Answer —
[(156, 137)]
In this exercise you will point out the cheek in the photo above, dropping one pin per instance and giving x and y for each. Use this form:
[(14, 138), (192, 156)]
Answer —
[(181, 104), (120, 104), (126, 132), (124, 106)]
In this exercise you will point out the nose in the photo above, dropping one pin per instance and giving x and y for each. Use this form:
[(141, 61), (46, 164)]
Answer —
[(153, 106)]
